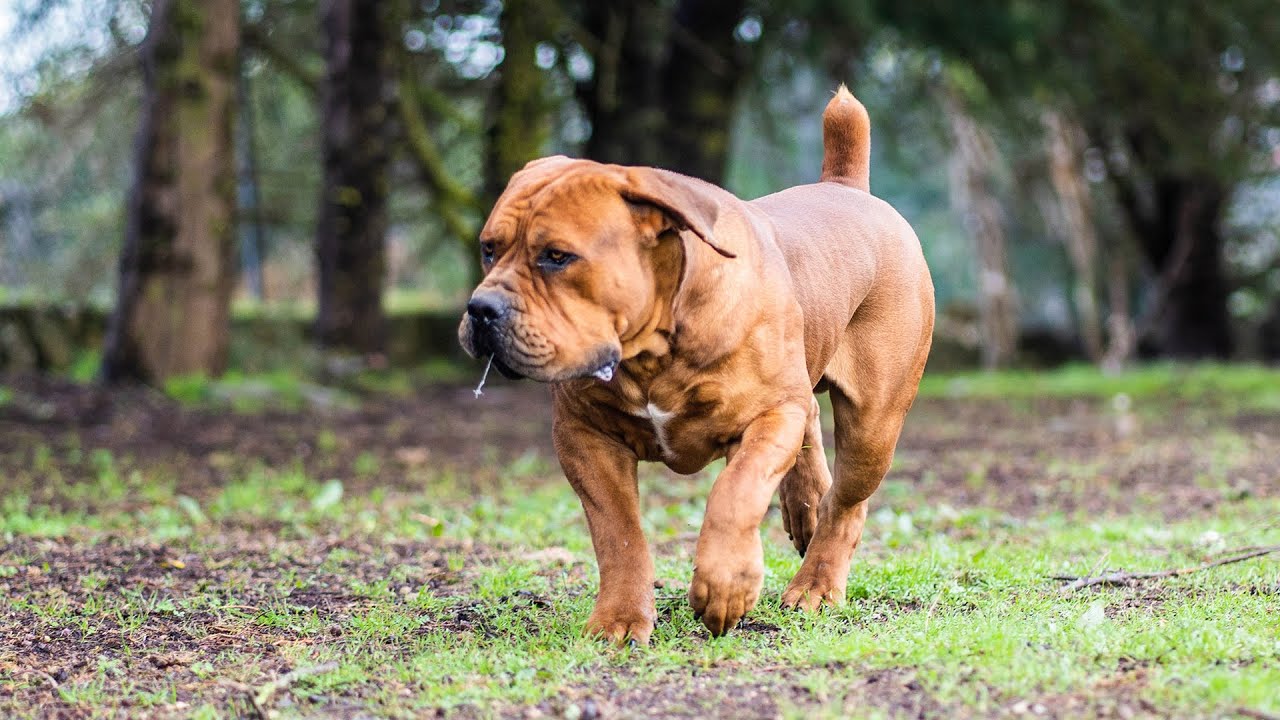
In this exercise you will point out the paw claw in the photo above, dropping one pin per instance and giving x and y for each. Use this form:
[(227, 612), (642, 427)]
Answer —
[(631, 629), (810, 593), (800, 499), (724, 598)]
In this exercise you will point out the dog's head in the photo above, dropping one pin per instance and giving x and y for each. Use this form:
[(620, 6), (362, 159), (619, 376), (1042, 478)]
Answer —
[(577, 255)]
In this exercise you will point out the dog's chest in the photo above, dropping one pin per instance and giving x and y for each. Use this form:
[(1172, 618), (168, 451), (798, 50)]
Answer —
[(659, 418), (681, 424), (680, 436)]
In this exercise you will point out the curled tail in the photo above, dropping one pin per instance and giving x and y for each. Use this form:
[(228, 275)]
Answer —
[(846, 141)]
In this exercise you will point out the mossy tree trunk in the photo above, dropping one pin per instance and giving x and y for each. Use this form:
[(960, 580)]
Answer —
[(521, 111), (351, 234), (177, 263), (1184, 245)]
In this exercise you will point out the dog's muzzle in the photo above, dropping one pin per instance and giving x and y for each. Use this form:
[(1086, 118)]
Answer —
[(489, 312), (487, 332)]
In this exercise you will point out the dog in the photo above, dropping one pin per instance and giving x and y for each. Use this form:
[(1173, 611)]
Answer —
[(679, 324)]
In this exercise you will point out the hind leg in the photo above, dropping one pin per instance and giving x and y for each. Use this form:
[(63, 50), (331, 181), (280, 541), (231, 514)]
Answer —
[(863, 455), (873, 381), (801, 492)]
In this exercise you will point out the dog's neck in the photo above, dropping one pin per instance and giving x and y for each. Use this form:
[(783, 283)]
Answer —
[(652, 335), (647, 351)]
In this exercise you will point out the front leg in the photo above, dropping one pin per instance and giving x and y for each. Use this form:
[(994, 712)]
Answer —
[(728, 566), (602, 472)]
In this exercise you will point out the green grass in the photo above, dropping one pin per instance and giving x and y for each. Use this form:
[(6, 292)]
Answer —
[(468, 593), (1256, 386), (977, 616), (960, 597), (1246, 386), (289, 389)]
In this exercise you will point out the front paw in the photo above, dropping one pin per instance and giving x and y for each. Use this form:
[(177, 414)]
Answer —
[(621, 624), (727, 577), (799, 497)]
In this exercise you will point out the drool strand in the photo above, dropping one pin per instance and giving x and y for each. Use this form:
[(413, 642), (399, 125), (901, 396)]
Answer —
[(485, 376)]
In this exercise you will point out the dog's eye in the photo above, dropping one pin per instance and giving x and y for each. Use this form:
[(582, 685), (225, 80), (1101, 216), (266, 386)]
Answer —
[(555, 259), (487, 249)]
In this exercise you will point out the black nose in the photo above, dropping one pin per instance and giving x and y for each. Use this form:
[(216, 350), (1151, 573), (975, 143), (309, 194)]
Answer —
[(486, 307)]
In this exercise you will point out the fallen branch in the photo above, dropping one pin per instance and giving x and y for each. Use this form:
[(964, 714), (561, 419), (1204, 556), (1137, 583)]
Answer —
[(262, 698), (1256, 714), (1114, 579)]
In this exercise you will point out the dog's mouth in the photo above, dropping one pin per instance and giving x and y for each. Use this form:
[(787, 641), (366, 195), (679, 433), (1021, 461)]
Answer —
[(505, 369), (604, 373), (481, 342), (604, 366)]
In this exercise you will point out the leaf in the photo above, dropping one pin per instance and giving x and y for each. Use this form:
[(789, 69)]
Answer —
[(1094, 617), (192, 509), (329, 495)]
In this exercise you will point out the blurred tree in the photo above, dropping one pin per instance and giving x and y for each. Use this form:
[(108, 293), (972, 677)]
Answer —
[(1071, 213), (1174, 95), (663, 82), (352, 226), (444, 78), (974, 193), (176, 268), (521, 99)]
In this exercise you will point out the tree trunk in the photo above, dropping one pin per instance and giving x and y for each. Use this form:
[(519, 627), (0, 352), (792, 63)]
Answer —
[(700, 83), (350, 237), (1075, 227), (972, 195), (1176, 218), (1176, 221), (1122, 337), (1193, 320), (622, 97), (521, 113), (664, 85), (176, 266)]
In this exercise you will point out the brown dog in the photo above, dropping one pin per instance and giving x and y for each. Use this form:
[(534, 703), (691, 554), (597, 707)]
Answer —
[(680, 324)]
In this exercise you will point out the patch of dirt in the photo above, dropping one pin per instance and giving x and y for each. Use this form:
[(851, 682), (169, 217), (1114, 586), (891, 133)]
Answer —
[(437, 427), (731, 692), (257, 592), (834, 691), (1075, 456), (1025, 457), (153, 615)]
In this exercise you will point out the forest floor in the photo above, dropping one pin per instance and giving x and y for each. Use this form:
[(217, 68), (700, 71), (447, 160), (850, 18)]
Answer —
[(267, 548)]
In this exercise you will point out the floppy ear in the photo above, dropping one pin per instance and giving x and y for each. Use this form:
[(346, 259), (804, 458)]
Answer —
[(549, 162), (687, 203)]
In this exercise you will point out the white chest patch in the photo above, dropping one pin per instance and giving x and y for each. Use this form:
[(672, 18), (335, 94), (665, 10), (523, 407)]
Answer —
[(659, 418)]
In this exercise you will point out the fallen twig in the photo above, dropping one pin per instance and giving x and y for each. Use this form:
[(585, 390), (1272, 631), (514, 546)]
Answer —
[(1113, 579), (262, 698), (1256, 714)]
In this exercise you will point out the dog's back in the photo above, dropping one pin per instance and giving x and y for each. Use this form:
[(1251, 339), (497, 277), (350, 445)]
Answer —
[(841, 243)]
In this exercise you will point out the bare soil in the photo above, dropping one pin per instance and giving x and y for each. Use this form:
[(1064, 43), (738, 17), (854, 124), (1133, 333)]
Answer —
[(1025, 458)]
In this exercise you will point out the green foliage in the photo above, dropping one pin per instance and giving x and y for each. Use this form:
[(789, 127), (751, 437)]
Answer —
[(254, 392)]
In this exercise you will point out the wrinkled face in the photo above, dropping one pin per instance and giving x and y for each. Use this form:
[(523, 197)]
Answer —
[(569, 271)]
